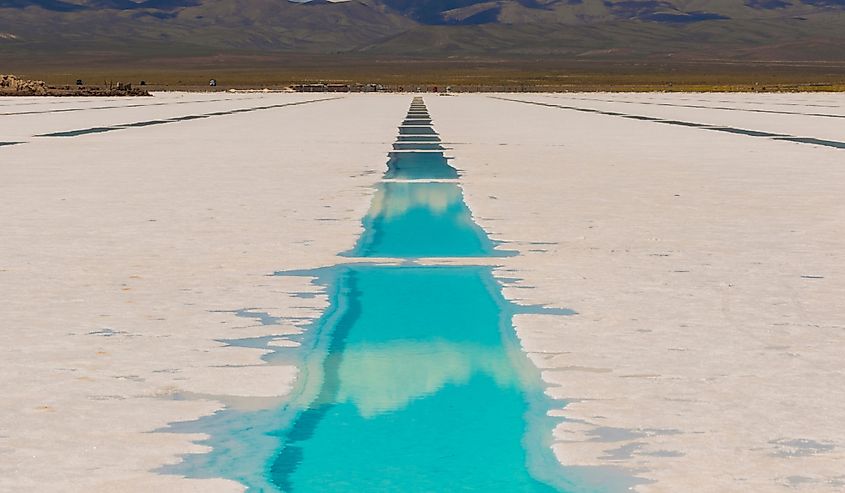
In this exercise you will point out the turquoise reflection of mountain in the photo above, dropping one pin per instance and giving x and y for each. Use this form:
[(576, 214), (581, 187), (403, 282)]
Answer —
[(419, 166), (380, 378), (423, 388), (418, 138), (421, 219), (415, 130), (416, 122), (418, 146)]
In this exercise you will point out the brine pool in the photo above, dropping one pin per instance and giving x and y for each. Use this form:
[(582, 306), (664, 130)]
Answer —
[(413, 380)]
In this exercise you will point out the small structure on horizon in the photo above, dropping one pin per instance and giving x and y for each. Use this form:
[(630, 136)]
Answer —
[(324, 87)]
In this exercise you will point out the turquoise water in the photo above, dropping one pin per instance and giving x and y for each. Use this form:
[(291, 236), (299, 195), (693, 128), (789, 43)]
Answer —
[(421, 219), (423, 146), (418, 138), (416, 121), (419, 166), (413, 379), (424, 388), (415, 130)]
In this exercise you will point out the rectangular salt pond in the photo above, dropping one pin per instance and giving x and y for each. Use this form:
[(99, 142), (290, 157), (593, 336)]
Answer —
[(416, 130), (423, 388), (418, 138), (422, 146), (419, 166), (421, 219)]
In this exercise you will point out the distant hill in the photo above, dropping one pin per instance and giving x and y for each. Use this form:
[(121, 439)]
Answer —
[(716, 29)]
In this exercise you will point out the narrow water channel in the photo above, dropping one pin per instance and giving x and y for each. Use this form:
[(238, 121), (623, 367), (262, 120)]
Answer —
[(421, 219), (423, 389), (413, 380)]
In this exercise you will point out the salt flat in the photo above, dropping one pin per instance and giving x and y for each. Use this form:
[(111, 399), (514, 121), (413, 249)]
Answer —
[(45, 117), (706, 269)]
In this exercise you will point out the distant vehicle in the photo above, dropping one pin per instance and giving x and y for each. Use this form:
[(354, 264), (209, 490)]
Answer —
[(79, 82), (143, 83), (212, 83)]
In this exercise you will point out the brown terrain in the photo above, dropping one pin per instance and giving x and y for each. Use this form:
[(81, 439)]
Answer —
[(470, 45), (11, 85), (529, 74)]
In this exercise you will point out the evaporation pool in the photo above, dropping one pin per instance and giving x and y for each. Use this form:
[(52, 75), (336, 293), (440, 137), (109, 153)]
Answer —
[(419, 166), (418, 146), (418, 138), (416, 122), (415, 130), (421, 219), (424, 388)]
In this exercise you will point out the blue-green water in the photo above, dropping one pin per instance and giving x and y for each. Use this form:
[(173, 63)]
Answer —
[(421, 146), (418, 138), (416, 121), (421, 219), (424, 388), (416, 130), (419, 166), (412, 380)]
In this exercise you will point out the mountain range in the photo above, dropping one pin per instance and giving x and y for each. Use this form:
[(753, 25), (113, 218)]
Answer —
[(804, 30)]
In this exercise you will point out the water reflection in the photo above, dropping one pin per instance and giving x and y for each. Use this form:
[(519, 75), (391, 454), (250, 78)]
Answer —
[(416, 130), (421, 219), (418, 146), (423, 389), (418, 138), (381, 378), (419, 165)]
